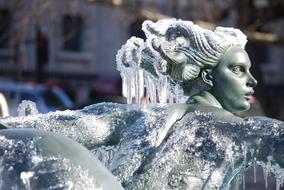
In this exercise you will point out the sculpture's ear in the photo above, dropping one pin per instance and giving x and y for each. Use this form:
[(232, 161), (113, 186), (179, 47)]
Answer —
[(207, 77)]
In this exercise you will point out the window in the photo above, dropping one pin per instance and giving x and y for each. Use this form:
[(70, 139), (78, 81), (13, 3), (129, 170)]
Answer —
[(72, 33), (5, 21)]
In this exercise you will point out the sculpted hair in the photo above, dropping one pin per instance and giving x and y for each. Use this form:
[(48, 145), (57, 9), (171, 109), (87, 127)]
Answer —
[(188, 48)]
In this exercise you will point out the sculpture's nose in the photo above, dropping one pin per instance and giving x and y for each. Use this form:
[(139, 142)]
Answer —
[(252, 82)]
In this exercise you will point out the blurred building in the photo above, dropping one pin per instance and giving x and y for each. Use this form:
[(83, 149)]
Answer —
[(74, 42), (74, 39), (65, 40)]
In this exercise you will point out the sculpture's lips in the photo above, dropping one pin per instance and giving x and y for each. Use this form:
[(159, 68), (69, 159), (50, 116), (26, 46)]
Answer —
[(248, 95)]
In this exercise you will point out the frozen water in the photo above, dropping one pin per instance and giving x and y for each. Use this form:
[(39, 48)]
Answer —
[(136, 143), (143, 74), (27, 107), (24, 167)]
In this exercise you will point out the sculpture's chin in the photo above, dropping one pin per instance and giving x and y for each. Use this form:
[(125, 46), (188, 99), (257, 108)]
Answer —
[(239, 108), (246, 105)]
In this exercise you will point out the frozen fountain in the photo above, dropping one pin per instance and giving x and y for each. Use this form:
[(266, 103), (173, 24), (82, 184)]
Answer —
[(185, 138)]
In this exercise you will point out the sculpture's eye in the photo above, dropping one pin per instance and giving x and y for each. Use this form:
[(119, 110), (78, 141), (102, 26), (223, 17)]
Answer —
[(237, 70)]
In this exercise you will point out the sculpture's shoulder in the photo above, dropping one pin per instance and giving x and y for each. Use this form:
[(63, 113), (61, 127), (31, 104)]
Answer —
[(218, 114)]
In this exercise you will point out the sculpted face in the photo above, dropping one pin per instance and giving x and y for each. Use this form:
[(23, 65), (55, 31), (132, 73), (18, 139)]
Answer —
[(232, 81)]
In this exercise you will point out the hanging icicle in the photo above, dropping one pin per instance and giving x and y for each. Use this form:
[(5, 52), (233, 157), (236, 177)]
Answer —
[(144, 73), (265, 176)]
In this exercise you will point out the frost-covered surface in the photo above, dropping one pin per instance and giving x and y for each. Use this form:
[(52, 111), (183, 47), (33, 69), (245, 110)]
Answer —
[(196, 152), (22, 166), (91, 126)]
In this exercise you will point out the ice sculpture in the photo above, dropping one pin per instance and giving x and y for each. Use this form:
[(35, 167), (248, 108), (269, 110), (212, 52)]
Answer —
[(195, 143)]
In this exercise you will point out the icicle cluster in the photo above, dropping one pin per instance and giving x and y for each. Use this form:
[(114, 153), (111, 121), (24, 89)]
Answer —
[(128, 63), (143, 75), (269, 168)]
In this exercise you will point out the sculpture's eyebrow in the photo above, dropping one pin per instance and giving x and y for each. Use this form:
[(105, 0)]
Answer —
[(244, 65), (241, 61), (237, 63)]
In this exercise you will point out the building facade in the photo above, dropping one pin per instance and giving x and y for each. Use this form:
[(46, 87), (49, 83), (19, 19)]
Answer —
[(62, 38)]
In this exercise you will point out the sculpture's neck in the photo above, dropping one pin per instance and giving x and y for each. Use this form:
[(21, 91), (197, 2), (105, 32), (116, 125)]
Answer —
[(205, 98)]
